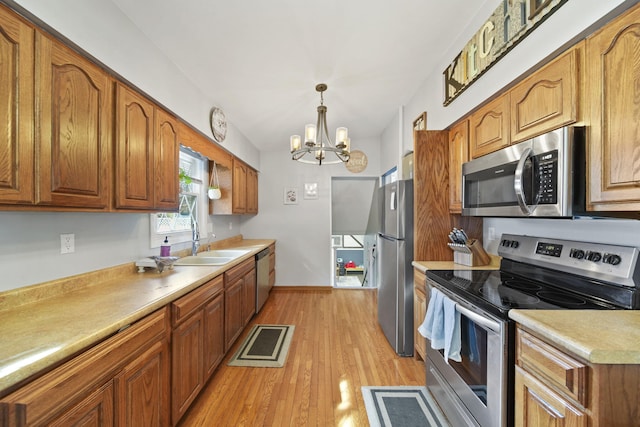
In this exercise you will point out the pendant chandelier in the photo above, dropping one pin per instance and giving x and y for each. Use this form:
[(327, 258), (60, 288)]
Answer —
[(317, 143)]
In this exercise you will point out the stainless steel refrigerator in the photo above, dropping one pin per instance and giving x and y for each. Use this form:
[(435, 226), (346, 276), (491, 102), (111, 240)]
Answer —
[(395, 254)]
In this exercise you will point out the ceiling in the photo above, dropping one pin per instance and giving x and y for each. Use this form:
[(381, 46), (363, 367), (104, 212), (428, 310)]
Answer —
[(260, 60)]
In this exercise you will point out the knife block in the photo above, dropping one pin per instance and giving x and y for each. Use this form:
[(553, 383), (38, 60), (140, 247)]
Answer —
[(471, 254)]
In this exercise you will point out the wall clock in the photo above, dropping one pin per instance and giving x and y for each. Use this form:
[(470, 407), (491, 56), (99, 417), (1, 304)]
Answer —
[(218, 123)]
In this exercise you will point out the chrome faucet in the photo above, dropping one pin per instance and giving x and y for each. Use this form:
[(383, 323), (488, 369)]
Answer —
[(195, 238)]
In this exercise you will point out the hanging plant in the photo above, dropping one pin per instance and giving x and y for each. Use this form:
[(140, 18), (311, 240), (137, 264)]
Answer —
[(214, 192)]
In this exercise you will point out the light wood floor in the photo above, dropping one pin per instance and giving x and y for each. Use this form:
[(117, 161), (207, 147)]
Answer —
[(337, 347)]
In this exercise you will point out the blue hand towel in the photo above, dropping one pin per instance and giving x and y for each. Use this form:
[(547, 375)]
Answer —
[(441, 325), (432, 327), (452, 338)]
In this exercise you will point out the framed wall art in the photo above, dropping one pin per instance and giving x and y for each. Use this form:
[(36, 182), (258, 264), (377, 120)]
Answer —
[(311, 190), (420, 123), (290, 196)]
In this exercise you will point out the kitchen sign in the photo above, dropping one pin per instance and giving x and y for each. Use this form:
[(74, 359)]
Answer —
[(510, 23)]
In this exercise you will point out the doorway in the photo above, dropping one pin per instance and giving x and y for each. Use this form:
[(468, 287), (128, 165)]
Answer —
[(354, 227)]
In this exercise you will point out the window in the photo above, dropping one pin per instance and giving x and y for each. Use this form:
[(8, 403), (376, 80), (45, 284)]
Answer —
[(192, 203)]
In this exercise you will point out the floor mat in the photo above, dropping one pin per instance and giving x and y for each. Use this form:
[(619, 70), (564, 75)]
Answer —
[(404, 406), (265, 346)]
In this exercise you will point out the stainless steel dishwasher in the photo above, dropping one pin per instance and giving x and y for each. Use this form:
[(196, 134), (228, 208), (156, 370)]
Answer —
[(262, 278)]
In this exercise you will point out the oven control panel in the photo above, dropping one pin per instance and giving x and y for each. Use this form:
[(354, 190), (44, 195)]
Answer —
[(613, 263)]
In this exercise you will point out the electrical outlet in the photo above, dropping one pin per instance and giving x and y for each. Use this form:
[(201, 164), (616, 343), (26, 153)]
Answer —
[(67, 243), (491, 233), (231, 226)]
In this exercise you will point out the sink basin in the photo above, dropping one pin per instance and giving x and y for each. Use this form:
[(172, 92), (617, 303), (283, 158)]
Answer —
[(203, 260), (227, 253)]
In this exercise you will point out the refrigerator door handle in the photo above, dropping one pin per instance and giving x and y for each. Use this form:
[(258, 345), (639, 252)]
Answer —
[(393, 203)]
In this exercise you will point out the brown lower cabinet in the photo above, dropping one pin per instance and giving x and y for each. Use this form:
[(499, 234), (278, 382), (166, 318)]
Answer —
[(197, 345), (420, 299), (554, 388), (123, 380), (239, 299)]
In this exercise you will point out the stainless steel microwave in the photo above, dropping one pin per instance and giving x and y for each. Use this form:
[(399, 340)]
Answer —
[(540, 177)]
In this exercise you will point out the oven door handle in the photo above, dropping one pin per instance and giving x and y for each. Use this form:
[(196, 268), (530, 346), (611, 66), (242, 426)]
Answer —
[(480, 320), (517, 183)]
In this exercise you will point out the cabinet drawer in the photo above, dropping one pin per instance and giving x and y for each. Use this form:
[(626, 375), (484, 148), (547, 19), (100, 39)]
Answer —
[(239, 270), (562, 372), (183, 307)]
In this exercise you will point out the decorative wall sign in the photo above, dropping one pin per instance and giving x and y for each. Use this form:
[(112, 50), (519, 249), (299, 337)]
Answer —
[(509, 24), (421, 122), (311, 190), (357, 161), (218, 122), (290, 196)]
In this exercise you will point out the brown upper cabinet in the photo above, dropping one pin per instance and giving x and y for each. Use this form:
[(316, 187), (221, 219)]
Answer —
[(239, 197), (73, 131), (458, 154), (489, 127), (547, 99), (613, 75), (17, 171), (167, 160), (146, 154), (252, 191)]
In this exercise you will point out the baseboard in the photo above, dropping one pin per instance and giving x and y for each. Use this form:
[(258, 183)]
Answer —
[(327, 289)]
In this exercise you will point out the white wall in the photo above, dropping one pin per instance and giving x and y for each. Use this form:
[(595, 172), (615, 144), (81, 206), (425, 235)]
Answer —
[(302, 231), (568, 23), (390, 147)]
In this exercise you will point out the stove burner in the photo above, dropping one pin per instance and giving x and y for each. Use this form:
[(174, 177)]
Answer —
[(508, 297), (525, 286), (561, 298)]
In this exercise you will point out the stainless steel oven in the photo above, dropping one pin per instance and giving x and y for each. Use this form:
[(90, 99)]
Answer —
[(535, 273), (540, 177), (479, 380)]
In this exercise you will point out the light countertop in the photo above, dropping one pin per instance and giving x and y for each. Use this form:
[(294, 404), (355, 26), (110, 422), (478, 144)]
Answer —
[(450, 265), (596, 336), (47, 323)]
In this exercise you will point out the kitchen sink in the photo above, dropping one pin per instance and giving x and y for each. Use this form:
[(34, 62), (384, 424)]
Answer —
[(227, 253), (204, 260)]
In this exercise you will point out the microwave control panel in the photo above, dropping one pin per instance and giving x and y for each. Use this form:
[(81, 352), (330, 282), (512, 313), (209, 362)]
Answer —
[(547, 173)]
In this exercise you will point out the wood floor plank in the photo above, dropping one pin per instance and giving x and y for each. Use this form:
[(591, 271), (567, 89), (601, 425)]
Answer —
[(337, 347)]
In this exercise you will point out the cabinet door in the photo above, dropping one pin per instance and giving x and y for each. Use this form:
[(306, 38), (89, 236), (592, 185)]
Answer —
[(166, 157), (239, 187), (233, 319), (16, 110), (74, 122), (613, 74), (489, 127), (94, 411), (249, 297), (142, 389), (134, 150), (187, 367), (419, 312), (252, 191), (537, 405), (547, 100), (458, 154), (213, 334)]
